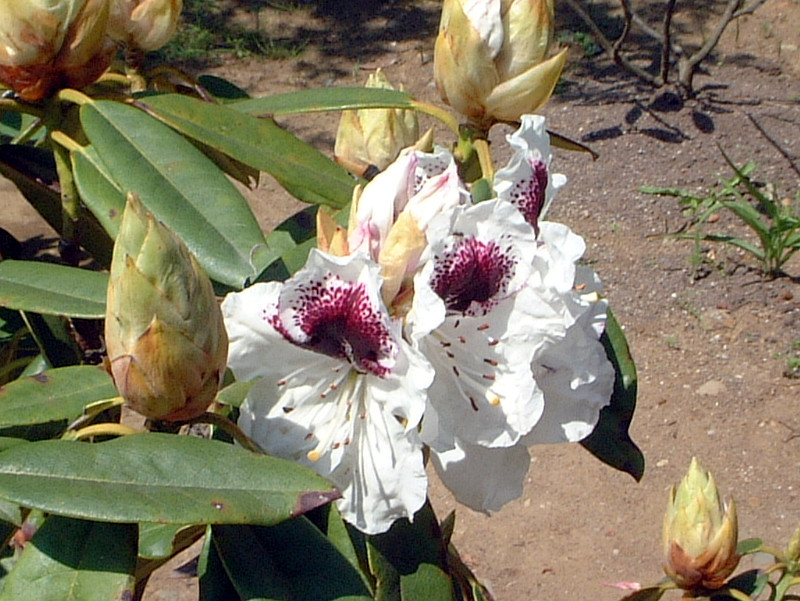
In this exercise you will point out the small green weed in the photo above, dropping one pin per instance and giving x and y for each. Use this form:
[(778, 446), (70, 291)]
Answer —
[(773, 220), (207, 27), (585, 41), (792, 360)]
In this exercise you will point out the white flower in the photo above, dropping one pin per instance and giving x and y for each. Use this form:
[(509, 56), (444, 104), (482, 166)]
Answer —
[(487, 315), (391, 217), (339, 389), (527, 181), (568, 379)]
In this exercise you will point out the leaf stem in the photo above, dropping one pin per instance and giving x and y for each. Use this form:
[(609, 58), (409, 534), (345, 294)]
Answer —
[(439, 113), (102, 430)]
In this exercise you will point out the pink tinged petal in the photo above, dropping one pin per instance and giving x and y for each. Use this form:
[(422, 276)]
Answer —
[(480, 478)]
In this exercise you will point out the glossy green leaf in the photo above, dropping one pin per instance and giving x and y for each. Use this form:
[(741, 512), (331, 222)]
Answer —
[(159, 478), (56, 395), (53, 289), (292, 561), (299, 167), (98, 190), (315, 100), (179, 185), (610, 441), (409, 561), (75, 560)]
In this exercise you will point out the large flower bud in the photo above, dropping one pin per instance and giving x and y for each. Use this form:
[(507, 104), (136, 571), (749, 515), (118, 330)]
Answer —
[(167, 344), (490, 58), (700, 533), (375, 136), (46, 45), (144, 24)]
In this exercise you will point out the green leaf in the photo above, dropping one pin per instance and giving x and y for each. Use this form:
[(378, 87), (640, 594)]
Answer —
[(161, 541), (215, 585), (98, 190), (179, 185), (747, 585), (409, 561), (292, 561), (648, 593), (299, 167), (159, 478), (56, 395), (75, 560), (748, 546), (53, 289), (610, 441), (54, 339), (235, 394), (221, 88), (315, 100)]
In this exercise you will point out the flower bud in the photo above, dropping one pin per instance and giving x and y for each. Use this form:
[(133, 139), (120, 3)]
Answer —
[(490, 58), (46, 45), (167, 345), (375, 136), (700, 533), (144, 24)]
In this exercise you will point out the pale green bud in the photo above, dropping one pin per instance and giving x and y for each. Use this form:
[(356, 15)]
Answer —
[(166, 341), (144, 24), (46, 45), (700, 533), (375, 136), (491, 58)]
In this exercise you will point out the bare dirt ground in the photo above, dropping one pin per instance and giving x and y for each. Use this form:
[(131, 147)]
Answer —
[(711, 352)]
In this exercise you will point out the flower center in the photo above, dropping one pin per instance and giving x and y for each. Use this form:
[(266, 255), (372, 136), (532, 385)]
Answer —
[(529, 194), (338, 318), (471, 275)]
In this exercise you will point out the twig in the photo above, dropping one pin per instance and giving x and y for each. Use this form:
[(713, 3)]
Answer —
[(608, 46), (774, 143), (748, 10), (677, 49), (666, 45), (687, 67)]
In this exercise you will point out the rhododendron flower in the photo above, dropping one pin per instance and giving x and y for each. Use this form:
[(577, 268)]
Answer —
[(390, 217), (527, 181), (555, 322), (339, 389), (486, 321)]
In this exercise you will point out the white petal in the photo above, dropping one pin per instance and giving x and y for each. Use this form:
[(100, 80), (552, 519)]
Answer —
[(483, 479), (577, 379), (485, 17), (355, 426)]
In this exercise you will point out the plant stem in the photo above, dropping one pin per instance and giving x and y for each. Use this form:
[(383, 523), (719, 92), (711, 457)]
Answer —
[(215, 419), (102, 430), (439, 113)]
